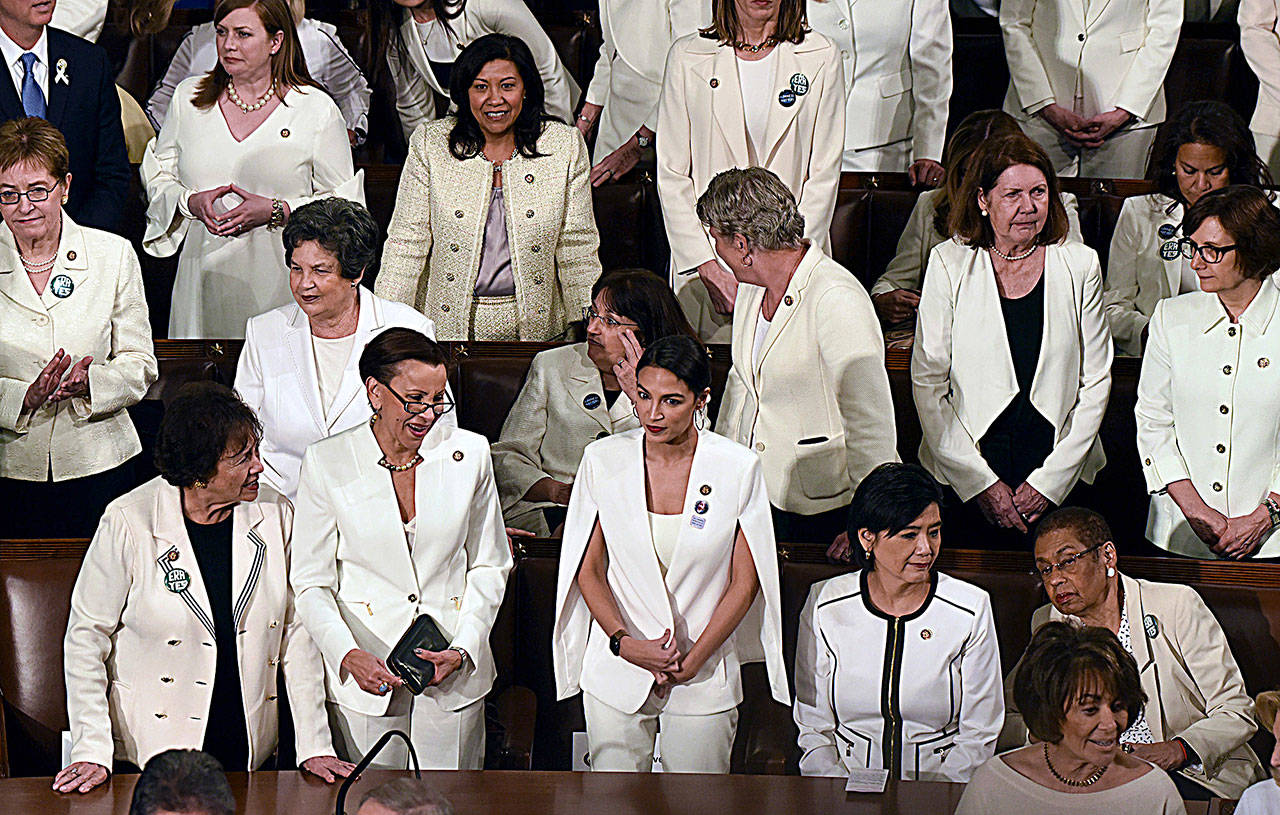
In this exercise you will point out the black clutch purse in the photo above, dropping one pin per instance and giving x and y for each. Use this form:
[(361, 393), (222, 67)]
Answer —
[(416, 672)]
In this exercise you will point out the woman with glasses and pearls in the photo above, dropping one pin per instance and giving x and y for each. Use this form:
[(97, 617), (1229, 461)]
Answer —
[(1209, 393), (667, 545), (397, 518), (1197, 719), (578, 393), (299, 368)]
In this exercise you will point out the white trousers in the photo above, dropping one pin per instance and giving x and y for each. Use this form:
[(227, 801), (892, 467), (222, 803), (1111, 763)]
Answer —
[(1268, 146), (443, 739), (887, 158), (624, 742), (1124, 155)]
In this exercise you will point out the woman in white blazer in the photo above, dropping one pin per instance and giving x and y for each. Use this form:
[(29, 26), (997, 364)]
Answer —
[(808, 390), (423, 39), (76, 346), (1206, 147), (299, 367), (1011, 366), (578, 393), (755, 89), (182, 618), (493, 235), (622, 99), (667, 547), (897, 666), (897, 76), (398, 518), (896, 294), (1208, 407), (1260, 43), (1087, 79)]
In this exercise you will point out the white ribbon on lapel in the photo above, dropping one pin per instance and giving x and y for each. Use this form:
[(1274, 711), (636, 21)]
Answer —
[(60, 74)]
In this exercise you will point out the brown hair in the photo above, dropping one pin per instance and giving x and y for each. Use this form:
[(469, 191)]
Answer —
[(33, 140), (1247, 215), (969, 135), (792, 25), (1062, 662), (984, 170), (147, 16), (288, 65)]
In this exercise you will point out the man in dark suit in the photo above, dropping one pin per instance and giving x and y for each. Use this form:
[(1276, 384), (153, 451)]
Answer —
[(67, 80)]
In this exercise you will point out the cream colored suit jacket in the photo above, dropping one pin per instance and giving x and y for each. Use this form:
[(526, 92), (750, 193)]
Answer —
[(140, 655), (360, 584), (817, 407), (962, 373), (436, 235), (1260, 42), (103, 315), (1138, 276), (549, 426), (1194, 688), (704, 132)]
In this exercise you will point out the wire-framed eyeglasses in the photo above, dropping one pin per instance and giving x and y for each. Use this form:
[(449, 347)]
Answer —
[(1067, 564), (1207, 251), (440, 407), (35, 195), (589, 313)]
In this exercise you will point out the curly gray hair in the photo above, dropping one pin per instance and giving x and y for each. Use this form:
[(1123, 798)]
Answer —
[(755, 204)]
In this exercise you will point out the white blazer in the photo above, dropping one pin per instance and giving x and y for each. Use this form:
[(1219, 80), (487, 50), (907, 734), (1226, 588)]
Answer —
[(102, 314), (560, 410), (1138, 276), (140, 658), (415, 82), (1115, 55), (610, 488), (1209, 410), (360, 585), (897, 70), (633, 53), (276, 376), (1260, 42), (704, 132), (962, 373), (816, 406)]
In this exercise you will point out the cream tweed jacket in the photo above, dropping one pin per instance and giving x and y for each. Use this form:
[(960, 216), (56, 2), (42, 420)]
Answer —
[(434, 242)]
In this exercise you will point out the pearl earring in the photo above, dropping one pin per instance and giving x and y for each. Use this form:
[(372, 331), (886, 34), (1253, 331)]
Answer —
[(1111, 572), (982, 211)]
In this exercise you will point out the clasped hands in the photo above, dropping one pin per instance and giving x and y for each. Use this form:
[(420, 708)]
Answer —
[(1084, 132), (662, 658), (1006, 507), (252, 212), (373, 676), (59, 380)]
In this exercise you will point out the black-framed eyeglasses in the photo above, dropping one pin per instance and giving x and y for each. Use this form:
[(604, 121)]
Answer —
[(439, 407), (35, 195), (1207, 252), (1067, 564), (589, 313)]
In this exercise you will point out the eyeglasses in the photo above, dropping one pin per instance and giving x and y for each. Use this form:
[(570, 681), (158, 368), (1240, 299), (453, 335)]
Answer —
[(35, 195), (589, 313), (440, 407), (1207, 252), (1067, 564)]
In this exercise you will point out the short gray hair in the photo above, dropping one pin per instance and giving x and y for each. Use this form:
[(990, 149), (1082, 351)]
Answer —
[(409, 796), (755, 204)]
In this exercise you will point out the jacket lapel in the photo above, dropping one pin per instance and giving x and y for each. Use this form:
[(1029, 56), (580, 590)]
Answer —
[(1140, 643), (371, 487), (176, 558), (418, 52), (71, 261), (633, 549), (1095, 9), (982, 309), (795, 290), (702, 471), (59, 91), (14, 283), (721, 69), (586, 387), (781, 116), (297, 341), (248, 554)]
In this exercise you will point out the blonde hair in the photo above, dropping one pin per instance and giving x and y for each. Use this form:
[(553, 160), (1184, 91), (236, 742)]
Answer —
[(288, 65), (755, 204)]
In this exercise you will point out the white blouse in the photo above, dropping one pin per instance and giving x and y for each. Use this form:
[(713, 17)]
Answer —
[(756, 78)]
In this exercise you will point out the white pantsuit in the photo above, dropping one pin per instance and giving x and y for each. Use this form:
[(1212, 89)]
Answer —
[(703, 132), (1260, 42), (962, 372), (897, 71), (140, 656), (1209, 411), (1090, 57), (725, 492), (360, 584), (276, 376)]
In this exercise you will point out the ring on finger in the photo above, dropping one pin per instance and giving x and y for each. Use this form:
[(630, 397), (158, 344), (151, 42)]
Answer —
[(383, 688)]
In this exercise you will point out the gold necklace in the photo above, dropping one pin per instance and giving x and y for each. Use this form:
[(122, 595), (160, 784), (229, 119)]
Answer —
[(755, 49), (1089, 781)]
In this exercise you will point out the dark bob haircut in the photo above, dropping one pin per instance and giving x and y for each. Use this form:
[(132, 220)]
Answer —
[(1065, 662), (182, 781), (647, 300), (1249, 218), (466, 139), (200, 425), (343, 228), (1088, 527), (1217, 125), (685, 357), (889, 499), (395, 345), (984, 170)]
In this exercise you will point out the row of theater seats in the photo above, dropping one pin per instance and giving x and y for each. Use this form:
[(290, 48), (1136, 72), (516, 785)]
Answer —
[(528, 727)]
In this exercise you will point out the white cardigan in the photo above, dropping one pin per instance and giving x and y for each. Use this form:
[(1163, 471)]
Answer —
[(103, 316), (962, 373)]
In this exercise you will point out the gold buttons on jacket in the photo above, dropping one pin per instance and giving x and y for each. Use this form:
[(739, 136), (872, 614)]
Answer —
[(535, 248), (162, 715), (926, 634), (1263, 362), (1147, 461), (445, 308), (759, 447), (453, 247), (166, 679), (528, 213), (1221, 448), (537, 280), (273, 662), (1223, 409), (175, 642), (1226, 369), (1217, 487), (450, 276), (529, 178)]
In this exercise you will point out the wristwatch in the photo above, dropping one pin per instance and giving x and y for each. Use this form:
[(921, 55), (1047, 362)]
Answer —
[(615, 641), (466, 658), (643, 141)]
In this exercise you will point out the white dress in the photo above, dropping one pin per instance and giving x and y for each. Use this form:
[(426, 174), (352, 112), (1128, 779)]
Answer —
[(299, 154)]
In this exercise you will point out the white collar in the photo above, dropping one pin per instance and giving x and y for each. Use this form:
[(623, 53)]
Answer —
[(12, 52)]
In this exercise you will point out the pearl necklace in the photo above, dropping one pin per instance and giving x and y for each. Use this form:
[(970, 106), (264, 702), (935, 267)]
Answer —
[(1071, 782), (755, 49), (38, 266), (1014, 258), (240, 103), (395, 468)]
